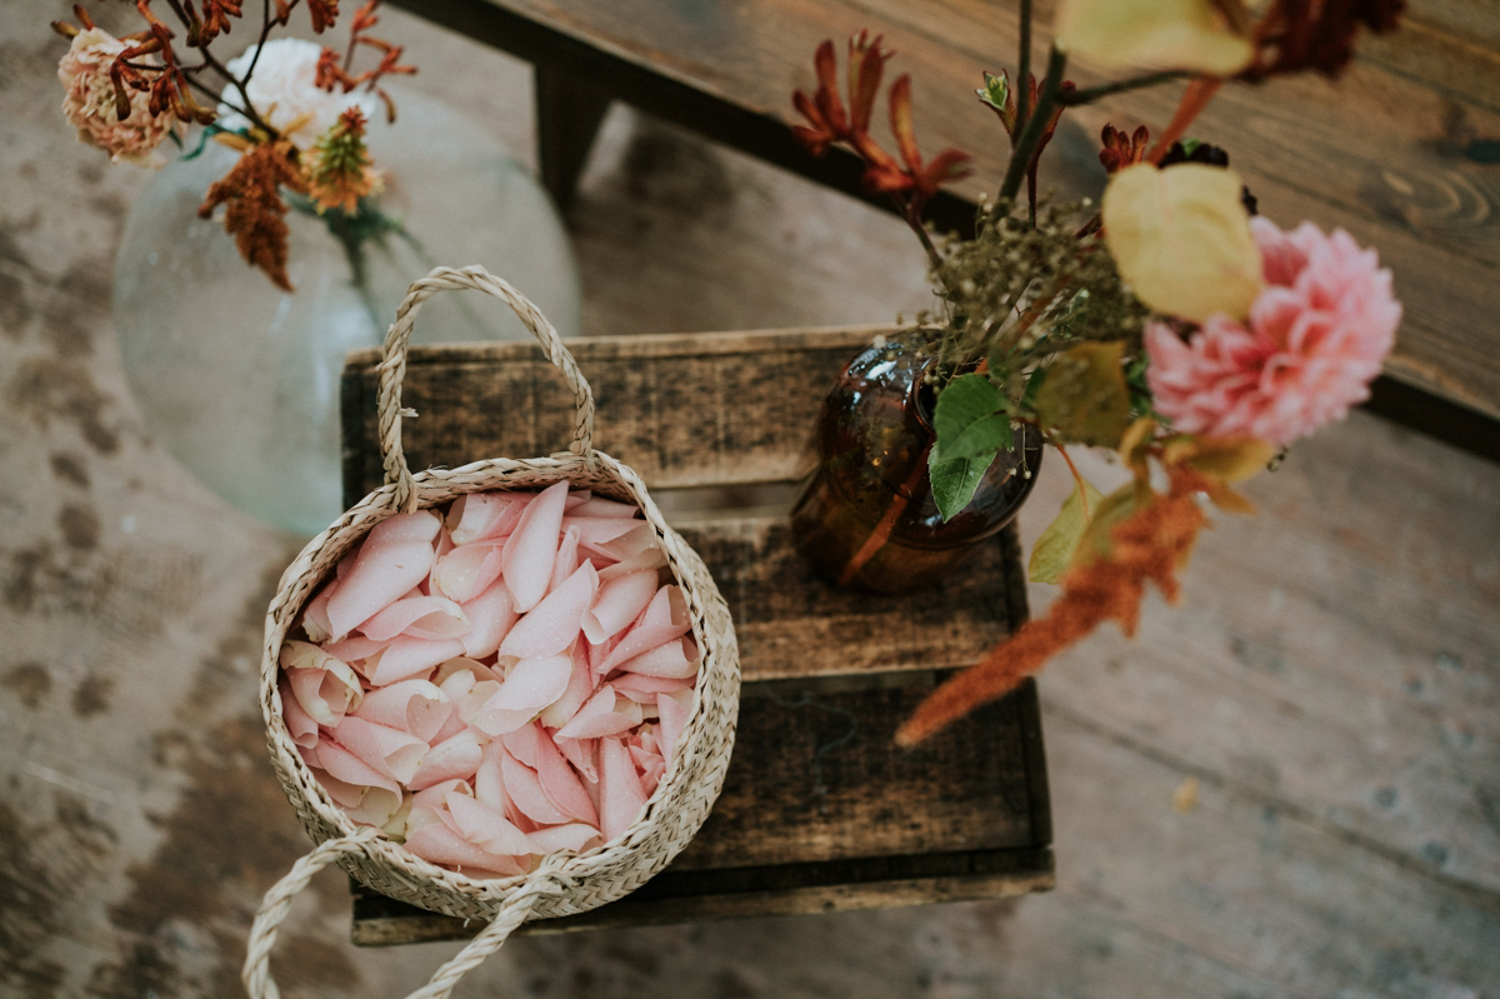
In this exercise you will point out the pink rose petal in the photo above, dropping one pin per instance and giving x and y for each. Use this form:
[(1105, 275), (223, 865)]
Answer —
[(595, 533), (603, 714), (372, 806), (575, 836), (468, 570), (441, 845), (487, 828), (302, 727), (581, 685), (676, 659), (389, 751), (419, 617), (417, 707), (650, 558), (325, 687), (315, 614), (344, 765), (524, 789), (598, 506), (382, 573), (408, 657), (423, 526), (483, 516), (432, 797), (489, 782), (561, 785), (621, 795), (640, 539), (553, 624), (354, 649), (529, 686), (618, 602), (522, 744), (467, 689), (672, 719), (664, 619), (637, 685), (531, 548), (566, 562), (492, 615), (649, 765), (583, 754)]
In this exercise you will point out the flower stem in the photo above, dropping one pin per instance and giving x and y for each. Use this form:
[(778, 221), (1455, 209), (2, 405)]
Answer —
[(1023, 73), (1021, 155), (882, 532), (1083, 495), (1092, 94), (1194, 99)]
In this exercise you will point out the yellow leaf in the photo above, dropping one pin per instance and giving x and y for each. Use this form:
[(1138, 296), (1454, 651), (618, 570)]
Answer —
[(1134, 446), (1229, 501), (1084, 398), (1167, 34), (1224, 459), (1181, 237), (1054, 549)]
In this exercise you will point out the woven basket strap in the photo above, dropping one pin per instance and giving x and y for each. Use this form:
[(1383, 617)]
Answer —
[(256, 974), (393, 368)]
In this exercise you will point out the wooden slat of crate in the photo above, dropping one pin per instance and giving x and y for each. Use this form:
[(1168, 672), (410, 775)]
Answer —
[(820, 810)]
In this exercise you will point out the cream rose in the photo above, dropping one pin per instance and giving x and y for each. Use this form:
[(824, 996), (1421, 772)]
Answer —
[(90, 103), (284, 88)]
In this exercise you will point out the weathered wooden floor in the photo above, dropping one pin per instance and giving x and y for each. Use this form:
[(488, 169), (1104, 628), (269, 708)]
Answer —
[(1287, 786)]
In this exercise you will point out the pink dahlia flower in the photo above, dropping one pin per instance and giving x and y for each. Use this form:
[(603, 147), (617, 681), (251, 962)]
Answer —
[(1314, 340), (90, 103)]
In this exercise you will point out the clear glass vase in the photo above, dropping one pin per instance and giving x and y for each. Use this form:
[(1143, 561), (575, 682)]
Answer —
[(866, 518), (239, 380)]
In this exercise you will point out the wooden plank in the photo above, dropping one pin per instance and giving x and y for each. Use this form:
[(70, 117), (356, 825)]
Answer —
[(790, 623), (1336, 653), (781, 891), (682, 410), (1243, 893), (1389, 155), (820, 810)]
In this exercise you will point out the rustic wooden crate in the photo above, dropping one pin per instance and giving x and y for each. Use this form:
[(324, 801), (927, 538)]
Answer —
[(820, 810)]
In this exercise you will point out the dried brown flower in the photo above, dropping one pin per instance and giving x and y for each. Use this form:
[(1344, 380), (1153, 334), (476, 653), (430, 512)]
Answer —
[(254, 206)]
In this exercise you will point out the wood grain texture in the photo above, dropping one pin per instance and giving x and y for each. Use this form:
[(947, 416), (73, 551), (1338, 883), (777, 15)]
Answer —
[(820, 809), (1397, 153), (681, 410)]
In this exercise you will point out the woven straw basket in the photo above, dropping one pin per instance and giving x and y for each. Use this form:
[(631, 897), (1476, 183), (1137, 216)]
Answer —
[(563, 883)]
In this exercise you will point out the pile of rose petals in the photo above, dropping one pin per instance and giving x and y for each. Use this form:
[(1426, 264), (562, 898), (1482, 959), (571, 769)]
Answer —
[(495, 682)]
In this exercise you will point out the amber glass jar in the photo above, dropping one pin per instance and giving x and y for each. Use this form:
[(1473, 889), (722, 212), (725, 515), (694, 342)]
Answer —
[(866, 518)]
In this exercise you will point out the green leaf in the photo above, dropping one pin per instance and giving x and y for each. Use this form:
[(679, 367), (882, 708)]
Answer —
[(970, 420), (996, 93), (954, 482), (1054, 549), (1181, 237), (1085, 398), (1033, 385), (1167, 34)]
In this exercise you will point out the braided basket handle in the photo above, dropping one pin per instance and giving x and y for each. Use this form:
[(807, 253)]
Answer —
[(393, 369), (256, 973)]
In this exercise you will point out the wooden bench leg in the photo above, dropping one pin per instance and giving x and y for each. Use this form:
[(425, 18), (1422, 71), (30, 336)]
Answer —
[(567, 120)]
